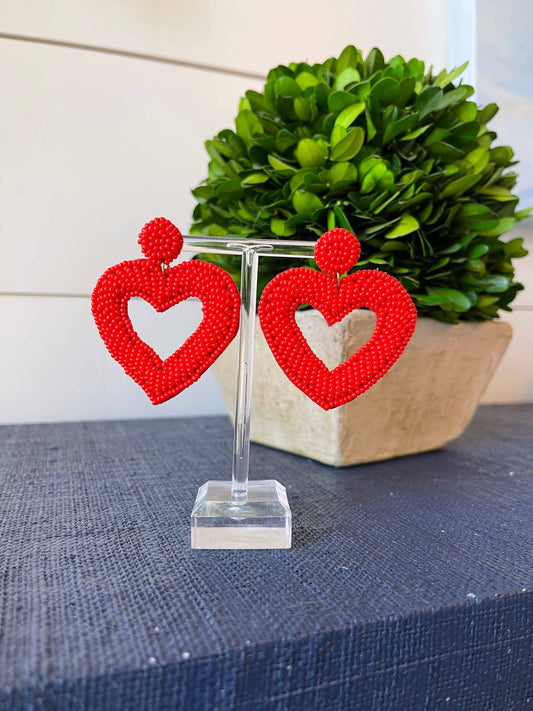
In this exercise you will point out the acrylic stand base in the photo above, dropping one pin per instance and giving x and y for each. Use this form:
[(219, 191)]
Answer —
[(261, 520)]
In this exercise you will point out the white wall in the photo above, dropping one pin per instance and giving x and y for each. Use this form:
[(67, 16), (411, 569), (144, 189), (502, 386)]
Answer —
[(95, 144)]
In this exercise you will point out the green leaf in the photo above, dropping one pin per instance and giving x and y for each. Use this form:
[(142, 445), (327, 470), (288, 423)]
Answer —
[(285, 139), (305, 80), (514, 248), (406, 225), (485, 300), (475, 265), (448, 78), (416, 133), (442, 262), (430, 300), (407, 87), (375, 61), (385, 90), (303, 178), (349, 146), (309, 154), (487, 113), (279, 71), (428, 101), (229, 190), (349, 75), (217, 231), (286, 87), (498, 193), (244, 104), (476, 217), (416, 68), (305, 202), (523, 214), (302, 109), (452, 298), (502, 155), (339, 100), (340, 173), (223, 148), (467, 111), (258, 157), (436, 135), (285, 108), (374, 174), (478, 159), (280, 228), (370, 128), (256, 100), (395, 128), (215, 154), (446, 151), (502, 226), (495, 283), (341, 219), (380, 203), (395, 247), (322, 92), (460, 186), (280, 166), (337, 134), (464, 134), (203, 192), (349, 57), (247, 124), (477, 250), (348, 115), (254, 179)]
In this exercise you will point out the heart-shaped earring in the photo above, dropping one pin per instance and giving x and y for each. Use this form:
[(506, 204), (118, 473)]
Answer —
[(335, 297), (163, 287)]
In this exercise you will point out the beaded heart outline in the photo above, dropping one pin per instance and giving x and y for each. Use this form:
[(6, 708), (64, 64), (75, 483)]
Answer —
[(162, 287), (335, 296)]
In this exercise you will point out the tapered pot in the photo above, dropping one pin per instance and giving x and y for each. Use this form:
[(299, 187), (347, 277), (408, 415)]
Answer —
[(425, 400)]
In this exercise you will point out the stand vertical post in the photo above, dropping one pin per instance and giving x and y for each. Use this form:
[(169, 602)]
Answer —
[(243, 399)]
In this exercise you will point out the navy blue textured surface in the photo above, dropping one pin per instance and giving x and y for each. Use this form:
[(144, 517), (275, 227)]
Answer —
[(409, 585)]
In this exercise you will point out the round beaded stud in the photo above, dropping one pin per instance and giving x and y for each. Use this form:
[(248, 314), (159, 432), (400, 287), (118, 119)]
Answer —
[(164, 287), (335, 296), (337, 251)]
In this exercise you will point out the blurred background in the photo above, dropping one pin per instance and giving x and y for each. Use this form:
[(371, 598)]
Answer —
[(106, 105)]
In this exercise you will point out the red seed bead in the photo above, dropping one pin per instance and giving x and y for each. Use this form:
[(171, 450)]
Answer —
[(160, 240), (337, 251)]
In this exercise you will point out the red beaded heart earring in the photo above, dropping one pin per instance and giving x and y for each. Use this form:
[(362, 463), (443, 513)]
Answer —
[(163, 287), (336, 252)]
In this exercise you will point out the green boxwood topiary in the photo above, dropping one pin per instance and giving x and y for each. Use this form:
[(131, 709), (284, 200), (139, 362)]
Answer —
[(393, 153)]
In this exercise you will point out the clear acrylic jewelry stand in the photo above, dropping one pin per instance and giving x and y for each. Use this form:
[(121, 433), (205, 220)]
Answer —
[(239, 513)]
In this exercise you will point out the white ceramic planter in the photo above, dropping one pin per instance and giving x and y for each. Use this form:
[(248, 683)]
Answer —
[(425, 400)]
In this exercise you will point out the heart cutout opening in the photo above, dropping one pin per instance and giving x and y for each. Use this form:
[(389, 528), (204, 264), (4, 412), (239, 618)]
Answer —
[(335, 344), (165, 331)]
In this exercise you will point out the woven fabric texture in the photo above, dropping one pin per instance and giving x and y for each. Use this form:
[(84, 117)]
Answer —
[(409, 585)]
